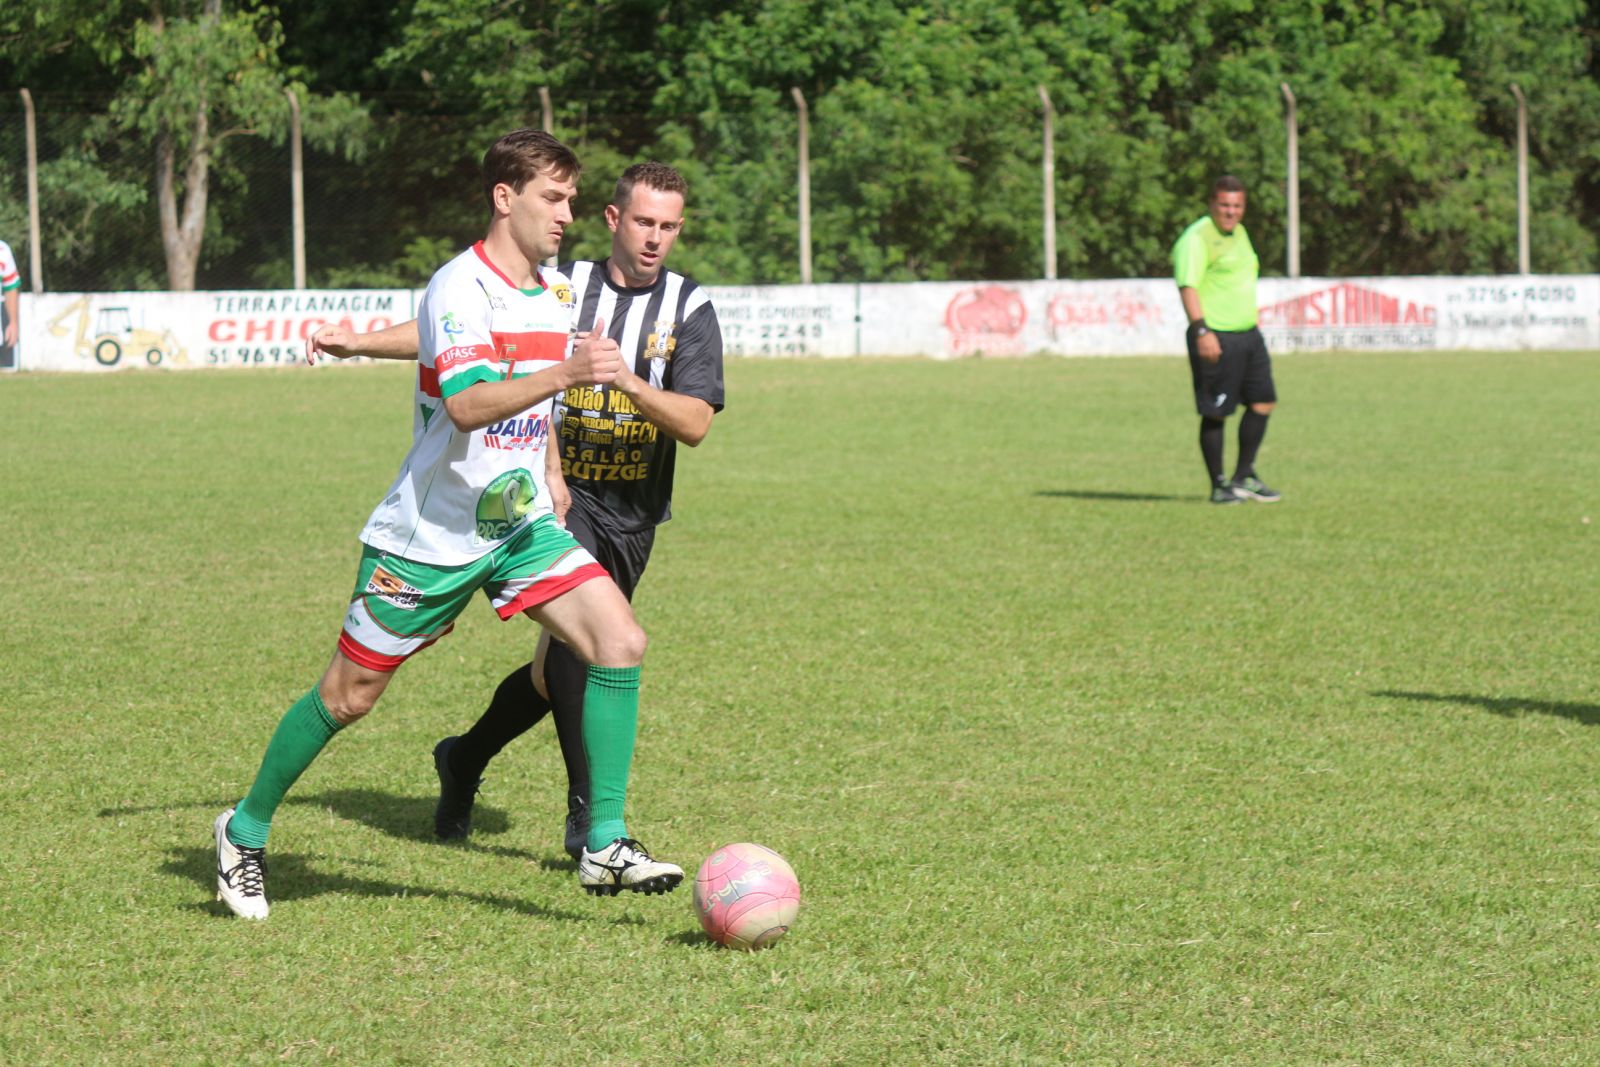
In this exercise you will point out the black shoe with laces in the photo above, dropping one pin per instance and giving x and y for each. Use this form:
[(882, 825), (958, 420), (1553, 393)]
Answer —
[(452, 818), (577, 827), (1223, 493)]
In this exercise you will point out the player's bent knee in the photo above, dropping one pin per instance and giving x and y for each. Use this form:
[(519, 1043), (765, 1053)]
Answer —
[(347, 707), (622, 646), (348, 699)]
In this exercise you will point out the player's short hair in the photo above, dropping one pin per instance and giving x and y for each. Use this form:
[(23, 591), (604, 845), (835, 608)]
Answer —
[(1226, 184), (522, 155), (651, 175)]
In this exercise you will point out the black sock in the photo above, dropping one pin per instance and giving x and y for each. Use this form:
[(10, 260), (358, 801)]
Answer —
[(1211, 447), (566, 676), (515, 709), (1252, 428)]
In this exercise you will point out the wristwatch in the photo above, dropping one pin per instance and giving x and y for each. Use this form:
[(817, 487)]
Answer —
[(1201, 330)]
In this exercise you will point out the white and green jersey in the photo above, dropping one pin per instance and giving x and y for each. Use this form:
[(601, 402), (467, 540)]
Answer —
[(10, 278), (458, 495)]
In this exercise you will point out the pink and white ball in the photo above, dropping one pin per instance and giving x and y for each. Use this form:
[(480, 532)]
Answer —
[(746, 896)]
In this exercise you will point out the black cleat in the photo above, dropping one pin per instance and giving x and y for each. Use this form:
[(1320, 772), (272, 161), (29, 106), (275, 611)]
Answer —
[(577, 830), (1223, 493), (452, 818), (1253, 488)]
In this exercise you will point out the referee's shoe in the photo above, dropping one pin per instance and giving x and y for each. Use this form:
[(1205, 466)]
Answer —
[(1222, 493), (1253, 488)]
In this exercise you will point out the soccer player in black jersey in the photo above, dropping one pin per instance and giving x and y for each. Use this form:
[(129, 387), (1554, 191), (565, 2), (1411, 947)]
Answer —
[(618, 448)]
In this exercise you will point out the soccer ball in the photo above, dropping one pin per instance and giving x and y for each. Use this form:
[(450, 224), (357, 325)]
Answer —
[(746, 896)]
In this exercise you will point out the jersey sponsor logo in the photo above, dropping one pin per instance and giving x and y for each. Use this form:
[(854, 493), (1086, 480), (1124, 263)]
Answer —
[(504, 504), (450, 325), (392, 589), (513, 433), (563, 293), (659, 345), (452, 358)]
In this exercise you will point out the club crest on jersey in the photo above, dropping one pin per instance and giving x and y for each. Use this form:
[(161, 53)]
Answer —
[(393, 589), (660, 344)]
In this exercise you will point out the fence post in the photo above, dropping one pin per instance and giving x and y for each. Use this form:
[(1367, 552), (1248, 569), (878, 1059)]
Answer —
[(1049, 184), (1292, 123), (547, 113), (805, 185), (35, 254), (1523, 265), (297, 190)]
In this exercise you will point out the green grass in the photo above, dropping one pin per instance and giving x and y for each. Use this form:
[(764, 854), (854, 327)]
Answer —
[(1073, 766)]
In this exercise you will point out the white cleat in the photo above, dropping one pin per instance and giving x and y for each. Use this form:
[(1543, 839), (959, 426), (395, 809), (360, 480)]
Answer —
[(241, 873), (624, 864)]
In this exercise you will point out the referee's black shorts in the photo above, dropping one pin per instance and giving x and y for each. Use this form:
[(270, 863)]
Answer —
[(623, 555), (1243, 373)]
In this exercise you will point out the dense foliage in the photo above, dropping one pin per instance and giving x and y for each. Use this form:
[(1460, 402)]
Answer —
[(925, 133)]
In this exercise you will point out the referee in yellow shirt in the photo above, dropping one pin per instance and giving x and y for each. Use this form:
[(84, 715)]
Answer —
[(1216, 268)]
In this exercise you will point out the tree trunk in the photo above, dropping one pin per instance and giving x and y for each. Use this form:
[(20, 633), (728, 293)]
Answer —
[(181, 237)]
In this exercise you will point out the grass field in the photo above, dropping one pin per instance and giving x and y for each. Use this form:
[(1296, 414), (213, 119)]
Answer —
[(1074, 767)]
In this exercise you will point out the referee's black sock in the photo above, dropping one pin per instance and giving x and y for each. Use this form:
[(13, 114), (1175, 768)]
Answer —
[(1211, 447), (515, 709), (1252, 428)]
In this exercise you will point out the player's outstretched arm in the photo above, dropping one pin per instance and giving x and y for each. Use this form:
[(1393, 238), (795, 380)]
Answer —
[(395, 342)]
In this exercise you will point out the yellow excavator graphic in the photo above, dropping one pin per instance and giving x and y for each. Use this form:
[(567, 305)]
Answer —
[(114, 334)]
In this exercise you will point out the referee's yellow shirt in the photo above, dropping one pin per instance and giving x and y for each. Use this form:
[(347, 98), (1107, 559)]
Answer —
[(1222, 268)]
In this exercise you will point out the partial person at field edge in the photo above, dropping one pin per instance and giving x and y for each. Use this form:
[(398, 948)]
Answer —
[(10, 315), (1216, 268), (618, 455)]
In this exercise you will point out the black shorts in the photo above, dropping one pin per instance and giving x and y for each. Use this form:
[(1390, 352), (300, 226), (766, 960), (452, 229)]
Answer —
[(623, 555), (1244, 372)]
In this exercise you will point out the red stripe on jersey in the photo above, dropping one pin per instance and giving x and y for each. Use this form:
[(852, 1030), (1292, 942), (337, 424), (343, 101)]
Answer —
[(547, 590), (428, 381), (451, 358), (542, 345)]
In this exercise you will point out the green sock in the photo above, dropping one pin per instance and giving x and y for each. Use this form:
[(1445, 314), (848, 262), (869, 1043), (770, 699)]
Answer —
[(305, 728), (610, 721)]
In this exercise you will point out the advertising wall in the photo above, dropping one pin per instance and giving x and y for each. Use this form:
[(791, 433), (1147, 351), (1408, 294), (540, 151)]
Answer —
[(116, 331)]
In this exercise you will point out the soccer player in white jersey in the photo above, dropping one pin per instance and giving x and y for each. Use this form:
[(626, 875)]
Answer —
[(10, 322), (471, 509), (617, 448)]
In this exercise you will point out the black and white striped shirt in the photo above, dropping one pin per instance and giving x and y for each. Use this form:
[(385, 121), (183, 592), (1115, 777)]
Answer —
[(617, 464)]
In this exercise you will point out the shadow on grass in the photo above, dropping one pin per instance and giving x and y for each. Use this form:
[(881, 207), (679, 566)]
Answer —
[(1510, 707), (1092, 494), (213, 806), (406, 817), (294, 877), (692, 939), (411, 819)]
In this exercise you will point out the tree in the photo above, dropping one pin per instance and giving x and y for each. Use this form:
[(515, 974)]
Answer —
[(186, 76)]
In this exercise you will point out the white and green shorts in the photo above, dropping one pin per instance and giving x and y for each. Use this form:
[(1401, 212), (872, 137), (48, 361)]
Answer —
[(400, 606)]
